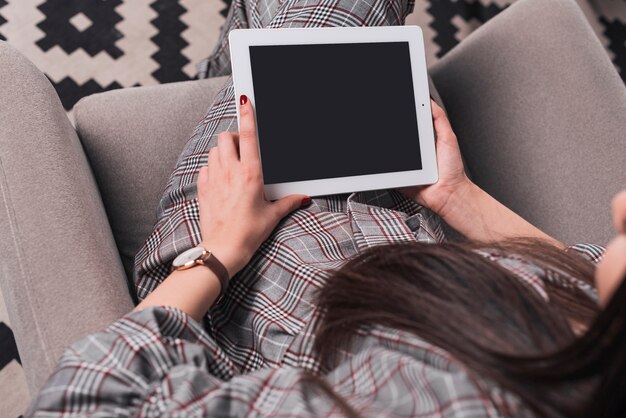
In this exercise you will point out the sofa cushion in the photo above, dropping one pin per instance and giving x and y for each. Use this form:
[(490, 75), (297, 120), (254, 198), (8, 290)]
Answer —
[(132, 138)]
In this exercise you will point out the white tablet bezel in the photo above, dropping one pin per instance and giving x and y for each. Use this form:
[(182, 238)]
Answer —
[(241, 39)]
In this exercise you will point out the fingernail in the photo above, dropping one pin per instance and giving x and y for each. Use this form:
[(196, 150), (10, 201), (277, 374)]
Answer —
[(243, 99), (306, 202)]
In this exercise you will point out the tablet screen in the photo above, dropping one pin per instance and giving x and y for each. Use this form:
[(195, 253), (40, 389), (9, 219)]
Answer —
[(334, 110)]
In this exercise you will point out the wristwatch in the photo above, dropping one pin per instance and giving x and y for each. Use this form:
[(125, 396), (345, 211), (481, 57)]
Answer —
[(200, 256)]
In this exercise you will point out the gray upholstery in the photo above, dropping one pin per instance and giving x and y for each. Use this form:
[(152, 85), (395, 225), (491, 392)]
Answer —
[(60, 271), (514, 92), (132, 138), (540, 113)]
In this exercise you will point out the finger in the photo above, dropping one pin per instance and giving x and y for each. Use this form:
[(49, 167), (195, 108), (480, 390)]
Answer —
[(203, 174), (619, 212), (203, 178), (213, 159), (440, 121), (436, 109), (248, 141), (288, 204), (410, 191), (227, 145)]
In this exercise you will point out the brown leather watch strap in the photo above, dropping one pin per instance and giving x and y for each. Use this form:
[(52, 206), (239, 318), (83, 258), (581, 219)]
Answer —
[(210, 261)]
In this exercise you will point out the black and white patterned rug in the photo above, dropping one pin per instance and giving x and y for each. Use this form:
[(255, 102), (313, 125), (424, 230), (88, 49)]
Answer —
[(89, 46), (447, 22)]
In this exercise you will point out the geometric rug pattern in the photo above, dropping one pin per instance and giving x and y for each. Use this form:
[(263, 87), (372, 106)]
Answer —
[(446, 22), (90, 46)]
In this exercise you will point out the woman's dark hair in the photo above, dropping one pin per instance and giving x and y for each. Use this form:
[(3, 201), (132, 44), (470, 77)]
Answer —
[(487, 318)]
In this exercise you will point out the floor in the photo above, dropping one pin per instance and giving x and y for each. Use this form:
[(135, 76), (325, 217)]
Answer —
[(14, 395), (89, 46)]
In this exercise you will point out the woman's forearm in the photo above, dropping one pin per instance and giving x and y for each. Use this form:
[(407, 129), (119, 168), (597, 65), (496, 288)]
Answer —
[(193, 291), (478, 216)]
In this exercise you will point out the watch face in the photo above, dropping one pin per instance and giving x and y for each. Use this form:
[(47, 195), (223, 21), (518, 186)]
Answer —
[(188, 257)]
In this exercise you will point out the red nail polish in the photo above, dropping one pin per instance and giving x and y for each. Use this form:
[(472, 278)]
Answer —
[(305, 202), (243, 99)]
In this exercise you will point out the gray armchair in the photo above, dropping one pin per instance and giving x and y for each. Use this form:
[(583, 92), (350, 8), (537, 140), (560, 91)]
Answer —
[(538, 107)]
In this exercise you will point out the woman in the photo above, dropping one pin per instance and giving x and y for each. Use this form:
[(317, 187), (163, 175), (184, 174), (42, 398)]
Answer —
[(320, 317)]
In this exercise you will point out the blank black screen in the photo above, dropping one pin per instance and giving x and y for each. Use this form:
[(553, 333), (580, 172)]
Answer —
[(334, 110)]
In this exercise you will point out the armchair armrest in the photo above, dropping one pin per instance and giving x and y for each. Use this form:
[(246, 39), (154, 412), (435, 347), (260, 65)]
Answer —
[(540, 113), (60, 271), (133, 138)]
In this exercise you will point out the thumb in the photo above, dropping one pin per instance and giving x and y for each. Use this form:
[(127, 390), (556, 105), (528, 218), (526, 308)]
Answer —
[(288, 204)]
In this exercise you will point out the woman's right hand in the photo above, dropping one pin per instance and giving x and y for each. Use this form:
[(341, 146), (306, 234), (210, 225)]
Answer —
[(452, 177), (235, 216)]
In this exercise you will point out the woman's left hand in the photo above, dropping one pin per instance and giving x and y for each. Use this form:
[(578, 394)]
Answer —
[(235, 216), (452, 178)]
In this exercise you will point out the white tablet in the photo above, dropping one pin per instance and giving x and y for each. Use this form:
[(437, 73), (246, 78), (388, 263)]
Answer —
[(337, 109)]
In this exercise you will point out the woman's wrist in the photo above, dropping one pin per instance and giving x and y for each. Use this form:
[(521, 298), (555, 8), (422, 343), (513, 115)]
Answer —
[(478, 216), (446, 199), (232, 257), (192, 290), (462, 204)]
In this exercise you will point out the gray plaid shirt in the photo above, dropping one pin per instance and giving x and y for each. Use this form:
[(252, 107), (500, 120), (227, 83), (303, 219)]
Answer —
[(254, 352)]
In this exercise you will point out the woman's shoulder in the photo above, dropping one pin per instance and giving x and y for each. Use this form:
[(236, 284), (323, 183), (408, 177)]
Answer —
[(538, 270), (386, 361)]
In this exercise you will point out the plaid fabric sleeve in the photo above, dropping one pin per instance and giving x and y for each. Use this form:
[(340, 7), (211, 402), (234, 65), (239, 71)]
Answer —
[(536, 277), (591, 252), (145, 364), (158, 362)]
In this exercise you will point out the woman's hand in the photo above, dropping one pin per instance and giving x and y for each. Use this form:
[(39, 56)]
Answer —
[(452, 178), (462, 204), (235, 217)]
